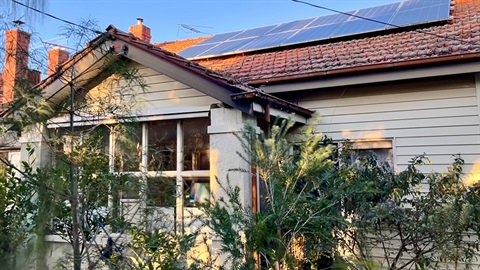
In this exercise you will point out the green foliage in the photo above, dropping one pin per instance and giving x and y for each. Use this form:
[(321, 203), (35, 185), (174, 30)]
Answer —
[(15, 223), (412, 226), (300, 203), (159, 249), (320, 211)]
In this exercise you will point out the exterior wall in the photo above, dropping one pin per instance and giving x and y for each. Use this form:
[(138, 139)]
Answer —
[(162, 94), (437, 116), (166, 97), (225, 151), (164, 91)]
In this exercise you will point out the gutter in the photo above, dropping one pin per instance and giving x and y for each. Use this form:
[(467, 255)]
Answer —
[(391, 65), (270, 101), (239, 93)]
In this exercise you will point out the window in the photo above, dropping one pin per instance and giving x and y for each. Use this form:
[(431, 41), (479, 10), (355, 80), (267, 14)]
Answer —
[(196, 191), (196, 146), (161, 191), (167, 156), (162, 145), (381, 149), (96, 138), (127, 148), (171, 156)]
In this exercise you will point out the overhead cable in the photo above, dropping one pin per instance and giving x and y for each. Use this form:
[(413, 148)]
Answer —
[(56, 18), (388, 24)]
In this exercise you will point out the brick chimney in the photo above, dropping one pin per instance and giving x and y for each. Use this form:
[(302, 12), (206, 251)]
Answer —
[(140, 31), (56, 57), (16, 62)]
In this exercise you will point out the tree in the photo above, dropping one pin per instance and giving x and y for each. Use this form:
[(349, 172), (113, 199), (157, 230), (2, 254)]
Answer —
[(76, 195), (299, 208), (320, 211), (410, 226)]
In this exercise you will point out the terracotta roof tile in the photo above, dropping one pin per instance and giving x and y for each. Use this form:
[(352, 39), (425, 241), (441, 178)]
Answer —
[(460, 36)]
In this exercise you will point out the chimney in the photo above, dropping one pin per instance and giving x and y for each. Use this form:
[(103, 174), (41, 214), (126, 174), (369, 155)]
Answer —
[(56, 57), (16, 61), (141, 31)]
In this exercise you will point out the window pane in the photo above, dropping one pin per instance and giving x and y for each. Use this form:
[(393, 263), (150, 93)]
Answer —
[(128, 148), (161, 191), (94, 138), (162, 146), (99, 136), (196, 191), (196, 144), (383, 156), (131, 186)]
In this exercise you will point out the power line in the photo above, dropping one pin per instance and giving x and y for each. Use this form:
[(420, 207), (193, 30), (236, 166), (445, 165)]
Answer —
[(56, 18), (385, 23)]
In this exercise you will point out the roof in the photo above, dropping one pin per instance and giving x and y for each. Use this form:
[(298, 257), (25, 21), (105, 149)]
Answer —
[(116, 43), (456, 40)]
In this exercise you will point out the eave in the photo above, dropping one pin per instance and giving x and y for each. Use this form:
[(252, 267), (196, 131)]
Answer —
[(378, 74)]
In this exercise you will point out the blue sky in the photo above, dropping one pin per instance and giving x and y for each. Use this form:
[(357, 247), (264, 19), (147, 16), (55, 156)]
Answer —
[(164, 16)]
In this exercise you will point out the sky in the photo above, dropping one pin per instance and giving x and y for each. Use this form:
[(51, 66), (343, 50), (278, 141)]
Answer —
[(165, 16)]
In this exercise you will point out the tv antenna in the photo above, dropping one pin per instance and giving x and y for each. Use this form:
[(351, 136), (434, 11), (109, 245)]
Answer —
[(18, 23), (193, 28), (58, 45)]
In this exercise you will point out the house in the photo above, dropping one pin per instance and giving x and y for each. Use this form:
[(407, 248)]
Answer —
[(185, 119), (16, 77), (402, 89)]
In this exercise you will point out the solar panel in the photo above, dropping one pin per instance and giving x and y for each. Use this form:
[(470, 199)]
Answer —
[(290, 26), (359, 26), (267, 41), (256, 32), (220, 38), (329, 19), (373, 12), (314, 33), (227, 47), (196, 50), (417, 11), (401, 14)]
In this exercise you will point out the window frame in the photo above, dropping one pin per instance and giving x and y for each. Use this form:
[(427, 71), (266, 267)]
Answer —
[(372, 145), (182, 176), (143, 173)]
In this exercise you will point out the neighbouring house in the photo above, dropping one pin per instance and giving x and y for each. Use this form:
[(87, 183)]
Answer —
[(17, 76), (404, 88)]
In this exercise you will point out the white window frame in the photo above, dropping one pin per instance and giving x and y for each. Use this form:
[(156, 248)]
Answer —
[(179, 174)]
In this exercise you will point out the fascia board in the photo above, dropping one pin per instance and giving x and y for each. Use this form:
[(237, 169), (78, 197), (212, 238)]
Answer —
[(183, 75), (377, 77)]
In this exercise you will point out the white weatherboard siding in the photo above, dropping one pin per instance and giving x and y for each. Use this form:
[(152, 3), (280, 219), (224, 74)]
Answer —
[(164, 91), (435, 116), (161, 93)]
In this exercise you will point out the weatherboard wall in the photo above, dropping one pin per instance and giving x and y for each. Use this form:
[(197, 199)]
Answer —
[(164, 91), (436, 116), (162, 94)]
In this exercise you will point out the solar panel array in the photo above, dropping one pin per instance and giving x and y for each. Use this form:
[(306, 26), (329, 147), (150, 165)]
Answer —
[(401, 14)]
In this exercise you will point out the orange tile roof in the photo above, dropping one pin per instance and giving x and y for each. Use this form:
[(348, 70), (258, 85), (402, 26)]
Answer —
[(448, 41), (179, 45)]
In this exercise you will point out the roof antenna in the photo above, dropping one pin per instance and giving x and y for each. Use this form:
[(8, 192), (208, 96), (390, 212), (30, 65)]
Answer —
[(18, 23), (58, 45), (191, 28)]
